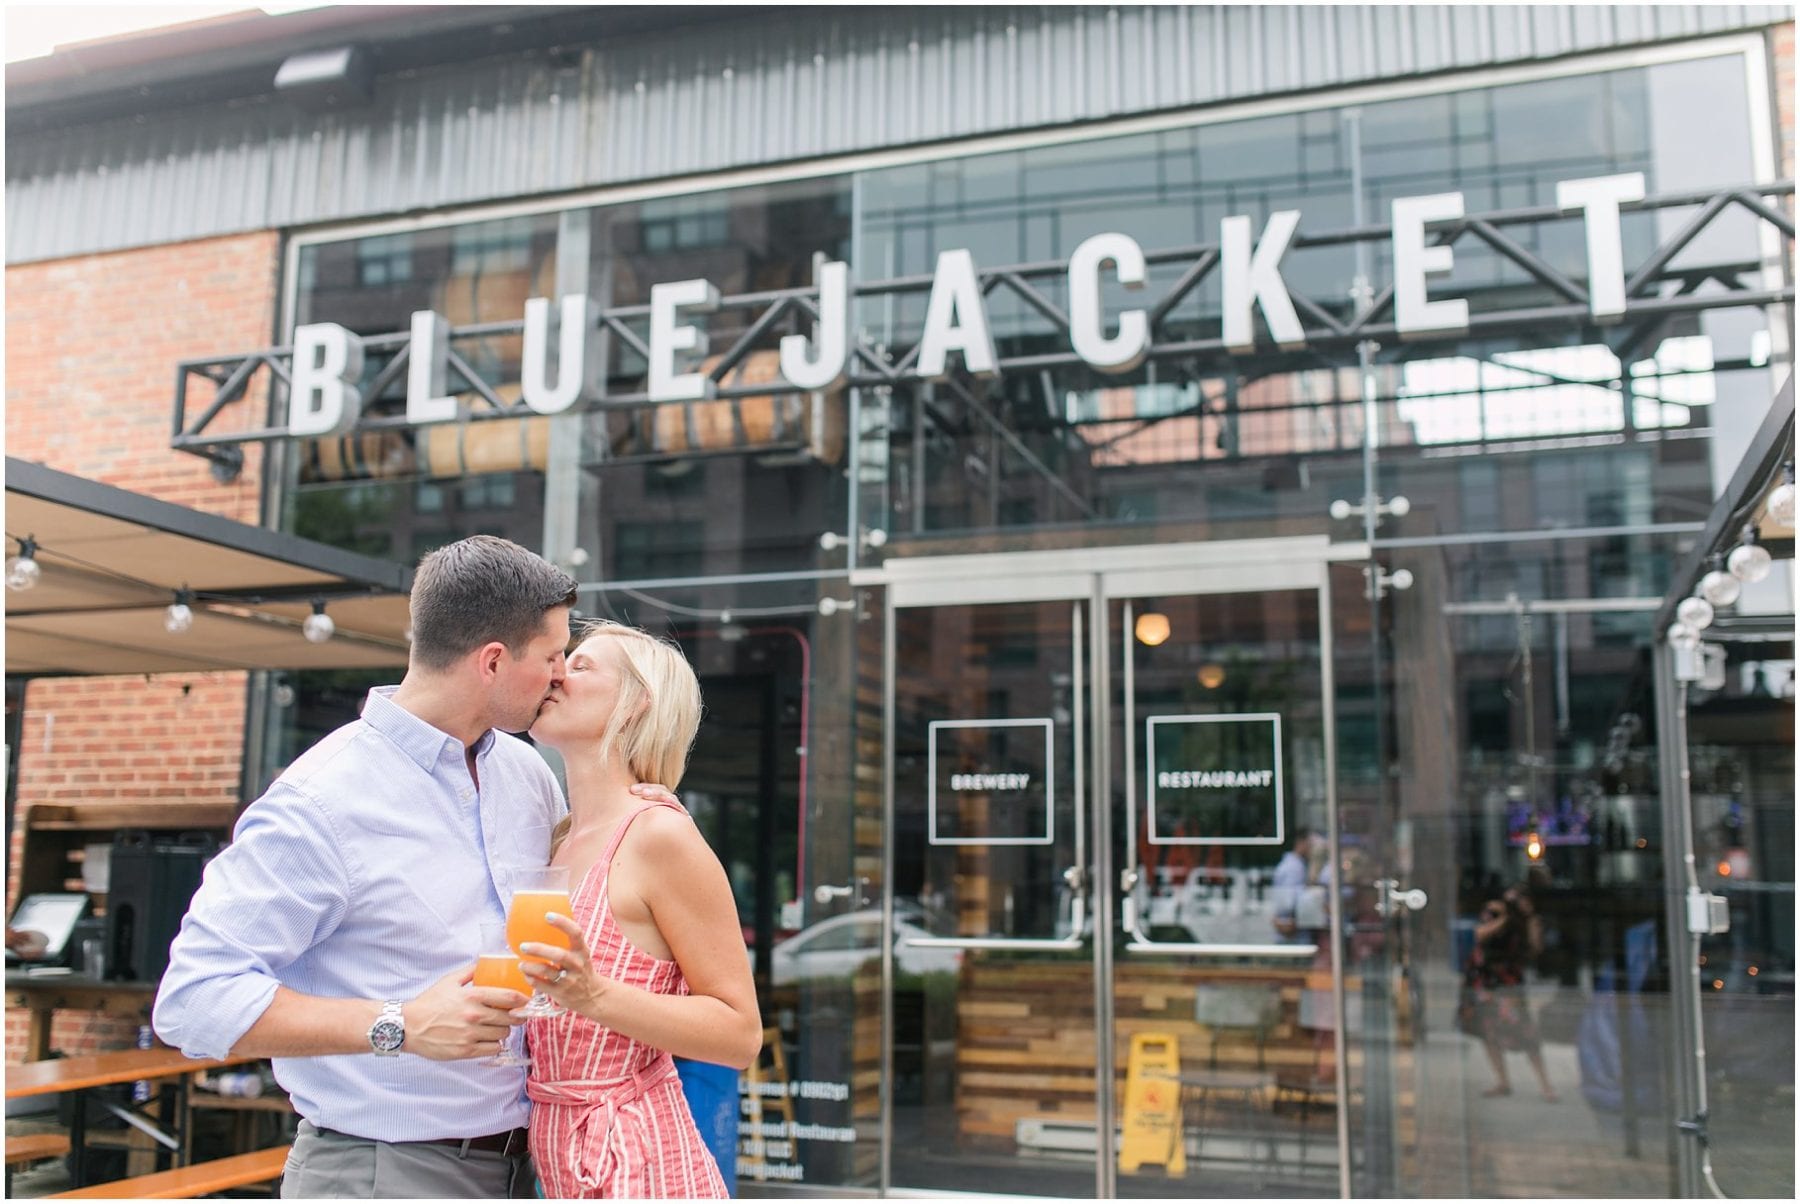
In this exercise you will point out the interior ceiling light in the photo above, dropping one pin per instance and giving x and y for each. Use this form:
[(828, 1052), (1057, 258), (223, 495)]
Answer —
[(1152, 628), (22, 571), (318, 626), (180, 615), (1212, 675)]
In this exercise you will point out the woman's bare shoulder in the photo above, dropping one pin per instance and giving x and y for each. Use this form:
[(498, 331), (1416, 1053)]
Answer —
[(667, 832)]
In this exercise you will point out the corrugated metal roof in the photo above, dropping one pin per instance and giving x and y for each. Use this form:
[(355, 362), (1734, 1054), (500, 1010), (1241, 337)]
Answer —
[(829, 82)]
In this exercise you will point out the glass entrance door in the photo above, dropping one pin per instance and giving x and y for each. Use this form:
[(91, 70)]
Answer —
[(1110, 964), (1223, 967), (991, 979)]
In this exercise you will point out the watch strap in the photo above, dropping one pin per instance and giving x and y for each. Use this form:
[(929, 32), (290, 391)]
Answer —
[(390, 1013)]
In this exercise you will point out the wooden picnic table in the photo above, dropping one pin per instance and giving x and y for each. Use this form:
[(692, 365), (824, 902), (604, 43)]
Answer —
[(100, 1070), (169, 1068)]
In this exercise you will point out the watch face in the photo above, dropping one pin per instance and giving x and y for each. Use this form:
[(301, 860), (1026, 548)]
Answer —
[(386, 1035)]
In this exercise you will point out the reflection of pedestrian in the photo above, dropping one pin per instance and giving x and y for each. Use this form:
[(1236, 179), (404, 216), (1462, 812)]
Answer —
[(1493, 1005), (1313, 920), (1288, 883)]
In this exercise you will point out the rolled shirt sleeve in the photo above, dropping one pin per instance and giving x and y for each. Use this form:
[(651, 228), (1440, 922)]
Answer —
[(277, 890)]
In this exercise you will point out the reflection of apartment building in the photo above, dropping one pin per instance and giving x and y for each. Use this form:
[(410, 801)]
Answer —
[(1308, 413)]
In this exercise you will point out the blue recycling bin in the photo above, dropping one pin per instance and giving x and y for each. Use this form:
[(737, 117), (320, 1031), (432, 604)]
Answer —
[(712, 1096)]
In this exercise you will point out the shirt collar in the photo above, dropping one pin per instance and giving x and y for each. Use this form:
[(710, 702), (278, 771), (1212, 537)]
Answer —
[(411, 734)]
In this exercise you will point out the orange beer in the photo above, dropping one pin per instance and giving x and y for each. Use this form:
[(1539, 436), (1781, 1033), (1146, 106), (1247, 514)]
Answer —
[(501, 970), (525, 919)]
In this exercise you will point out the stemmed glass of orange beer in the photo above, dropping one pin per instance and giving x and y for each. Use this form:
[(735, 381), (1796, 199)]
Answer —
[(535, 893), (496, 965)]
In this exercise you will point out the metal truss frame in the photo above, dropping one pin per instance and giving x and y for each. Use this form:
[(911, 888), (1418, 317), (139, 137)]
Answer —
[(1656, 293)]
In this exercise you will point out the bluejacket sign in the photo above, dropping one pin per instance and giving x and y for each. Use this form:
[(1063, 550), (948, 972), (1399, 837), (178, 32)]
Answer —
[(328, 359)]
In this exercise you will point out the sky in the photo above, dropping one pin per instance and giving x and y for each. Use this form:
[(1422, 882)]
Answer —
[(36, 29)]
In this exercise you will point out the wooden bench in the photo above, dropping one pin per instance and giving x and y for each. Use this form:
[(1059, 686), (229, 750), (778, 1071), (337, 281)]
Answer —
[(190, 1182), (32, 1147)]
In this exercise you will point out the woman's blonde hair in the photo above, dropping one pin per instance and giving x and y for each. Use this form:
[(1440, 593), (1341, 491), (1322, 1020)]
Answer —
[(657, 714)]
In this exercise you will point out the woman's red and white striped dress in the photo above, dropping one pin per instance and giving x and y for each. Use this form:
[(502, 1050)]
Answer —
[(608, 1117)]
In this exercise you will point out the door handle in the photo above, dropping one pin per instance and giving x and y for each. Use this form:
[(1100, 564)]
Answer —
[(1389, 898), (825, 893), (1140, 942), (1075, 876)]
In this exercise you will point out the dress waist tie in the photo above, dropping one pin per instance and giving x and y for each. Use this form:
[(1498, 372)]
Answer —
[(599, 1100)]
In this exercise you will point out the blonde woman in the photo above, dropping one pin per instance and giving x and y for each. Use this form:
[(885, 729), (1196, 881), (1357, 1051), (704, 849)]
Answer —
[(656, 963)]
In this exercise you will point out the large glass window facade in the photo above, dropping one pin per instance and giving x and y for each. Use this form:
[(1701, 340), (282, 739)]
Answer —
[(1484, 736)]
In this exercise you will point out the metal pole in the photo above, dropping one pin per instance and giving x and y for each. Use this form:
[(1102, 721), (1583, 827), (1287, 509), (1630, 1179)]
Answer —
[(1104, 882), (1693, 1158), (1670, 732), (1333, 842), (885, 1179), (1378, 1082)]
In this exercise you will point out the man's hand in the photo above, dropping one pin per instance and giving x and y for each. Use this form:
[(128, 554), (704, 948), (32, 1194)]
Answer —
[(650, 792), (28, 943), (453, 1020)]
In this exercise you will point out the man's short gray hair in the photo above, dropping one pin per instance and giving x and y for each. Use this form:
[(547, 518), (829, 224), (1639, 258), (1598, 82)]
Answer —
[(478, 590)]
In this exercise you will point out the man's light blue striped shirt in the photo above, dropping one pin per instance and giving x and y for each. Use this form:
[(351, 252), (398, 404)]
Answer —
[(365, 872)]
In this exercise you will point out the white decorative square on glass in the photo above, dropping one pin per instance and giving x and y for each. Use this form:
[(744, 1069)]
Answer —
[(1214, 779), (1005, 764)]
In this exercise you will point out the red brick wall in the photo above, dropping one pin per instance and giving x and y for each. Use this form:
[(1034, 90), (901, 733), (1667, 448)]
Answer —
[(91, 347)]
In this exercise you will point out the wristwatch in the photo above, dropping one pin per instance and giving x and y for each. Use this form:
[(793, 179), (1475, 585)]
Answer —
[(388, 1033)]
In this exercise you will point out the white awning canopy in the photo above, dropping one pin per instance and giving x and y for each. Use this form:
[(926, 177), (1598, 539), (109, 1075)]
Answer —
[(111, 562)]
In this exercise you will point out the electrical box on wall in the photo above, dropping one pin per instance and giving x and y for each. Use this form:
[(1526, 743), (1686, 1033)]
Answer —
[(1708, 915)]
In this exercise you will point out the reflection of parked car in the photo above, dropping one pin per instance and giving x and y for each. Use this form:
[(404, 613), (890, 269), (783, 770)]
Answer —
[(838, 947)]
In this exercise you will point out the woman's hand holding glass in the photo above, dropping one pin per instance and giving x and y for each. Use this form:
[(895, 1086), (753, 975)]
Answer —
[(535, 894), (566, 975)]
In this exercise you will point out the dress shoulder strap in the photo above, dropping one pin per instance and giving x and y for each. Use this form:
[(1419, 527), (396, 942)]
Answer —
[(618, 836)]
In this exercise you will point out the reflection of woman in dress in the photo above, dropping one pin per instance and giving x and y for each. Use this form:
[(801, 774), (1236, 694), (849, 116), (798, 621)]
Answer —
[(1507, 937), (657, 964), (1317, 1012)]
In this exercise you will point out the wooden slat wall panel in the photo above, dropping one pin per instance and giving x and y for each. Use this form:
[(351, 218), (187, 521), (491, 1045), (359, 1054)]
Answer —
[(1025, 1035)]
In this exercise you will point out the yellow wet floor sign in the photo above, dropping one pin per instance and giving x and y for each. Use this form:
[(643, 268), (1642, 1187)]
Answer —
[(1152, 1129)]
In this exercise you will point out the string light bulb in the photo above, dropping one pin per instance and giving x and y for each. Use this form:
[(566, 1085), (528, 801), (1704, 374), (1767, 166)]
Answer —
[(1780, 506), (23, 571), (1718, 586), (318, 626), (1749, 562), (1696, 612), (180, 615)]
